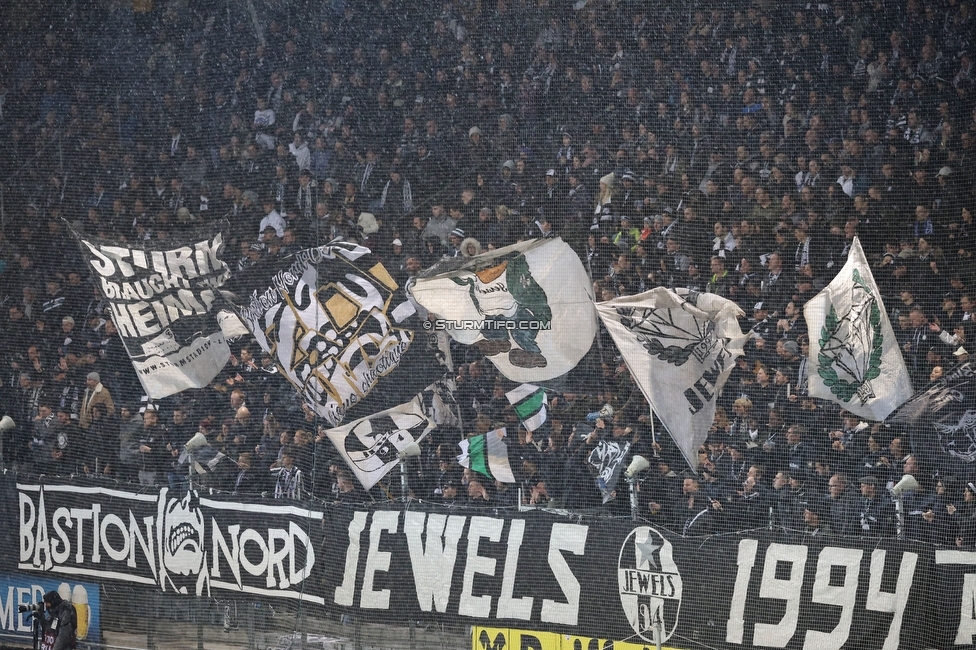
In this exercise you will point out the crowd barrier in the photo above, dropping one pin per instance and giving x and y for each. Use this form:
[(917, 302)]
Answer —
[(535, 579)]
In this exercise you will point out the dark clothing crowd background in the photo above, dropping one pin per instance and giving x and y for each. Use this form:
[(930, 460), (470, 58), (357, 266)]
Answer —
[(734, 148)]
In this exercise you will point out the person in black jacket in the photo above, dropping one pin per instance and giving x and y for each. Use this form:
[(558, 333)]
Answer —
[(155, 452), (58, 624), (691, 510), (577, 490), (841, 504), (874, 511)]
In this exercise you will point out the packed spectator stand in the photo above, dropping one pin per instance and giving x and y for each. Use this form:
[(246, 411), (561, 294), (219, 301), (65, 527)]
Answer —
[(734, 149)]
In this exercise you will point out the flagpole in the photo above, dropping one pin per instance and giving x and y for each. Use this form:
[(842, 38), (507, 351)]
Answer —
[(653, 431)]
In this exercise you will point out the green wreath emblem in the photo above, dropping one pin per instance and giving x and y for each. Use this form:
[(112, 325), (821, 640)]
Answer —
[(843, 389)]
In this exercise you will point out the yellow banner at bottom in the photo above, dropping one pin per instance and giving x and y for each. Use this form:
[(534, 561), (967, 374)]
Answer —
[(493, 638)]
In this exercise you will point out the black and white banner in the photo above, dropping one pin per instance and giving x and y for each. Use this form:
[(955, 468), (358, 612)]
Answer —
[(338, 325), (371, 445), (183, 543), (539, 571), (607, 458), (164, 304), (942, 420)]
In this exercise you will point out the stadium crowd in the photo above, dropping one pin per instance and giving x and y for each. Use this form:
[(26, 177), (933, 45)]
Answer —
[(730, 148)]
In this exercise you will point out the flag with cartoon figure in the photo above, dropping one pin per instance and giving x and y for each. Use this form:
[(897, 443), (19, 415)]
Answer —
[(528, 307), (854, 356), (338, 327)]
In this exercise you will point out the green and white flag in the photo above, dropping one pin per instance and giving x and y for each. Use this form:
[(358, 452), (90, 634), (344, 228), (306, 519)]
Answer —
[(854, 357), (487, 454), (528, 307), (530, 404)]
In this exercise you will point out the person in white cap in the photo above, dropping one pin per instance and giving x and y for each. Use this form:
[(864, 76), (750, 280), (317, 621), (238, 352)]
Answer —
[(454, 240), (95, 393), (395, 261)]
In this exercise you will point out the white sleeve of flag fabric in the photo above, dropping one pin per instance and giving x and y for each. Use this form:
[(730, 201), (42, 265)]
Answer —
[(680, 348), (497, 451), (464, 458), (231, 325), (521, 392), (855, 360)]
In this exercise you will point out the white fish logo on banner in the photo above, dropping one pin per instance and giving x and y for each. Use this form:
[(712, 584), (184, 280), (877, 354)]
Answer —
[(181, 541), (177, 542)]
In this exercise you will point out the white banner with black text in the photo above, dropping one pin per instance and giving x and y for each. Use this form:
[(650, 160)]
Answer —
[(165, 305)]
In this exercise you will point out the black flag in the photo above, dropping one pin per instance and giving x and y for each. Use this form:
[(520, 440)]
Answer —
[(941, 420), (338, 326)]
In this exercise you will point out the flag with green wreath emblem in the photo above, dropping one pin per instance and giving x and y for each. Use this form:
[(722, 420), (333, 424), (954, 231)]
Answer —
[(854, 357)]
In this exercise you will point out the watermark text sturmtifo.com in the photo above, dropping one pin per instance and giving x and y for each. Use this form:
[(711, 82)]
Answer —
[(482, 325)]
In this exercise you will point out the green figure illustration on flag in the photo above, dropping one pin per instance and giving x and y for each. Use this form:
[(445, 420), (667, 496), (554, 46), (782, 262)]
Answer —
[(515, 308)]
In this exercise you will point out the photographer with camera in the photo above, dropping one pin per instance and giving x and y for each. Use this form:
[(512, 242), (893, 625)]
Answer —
[(58, 623)]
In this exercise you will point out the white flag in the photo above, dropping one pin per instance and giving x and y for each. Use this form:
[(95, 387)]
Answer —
[(165, 305), (370, 446), (854, 356), (680, 348), (528, 307)]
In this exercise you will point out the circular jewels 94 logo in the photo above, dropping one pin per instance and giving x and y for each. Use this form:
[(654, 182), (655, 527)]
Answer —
[(650, 585)]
